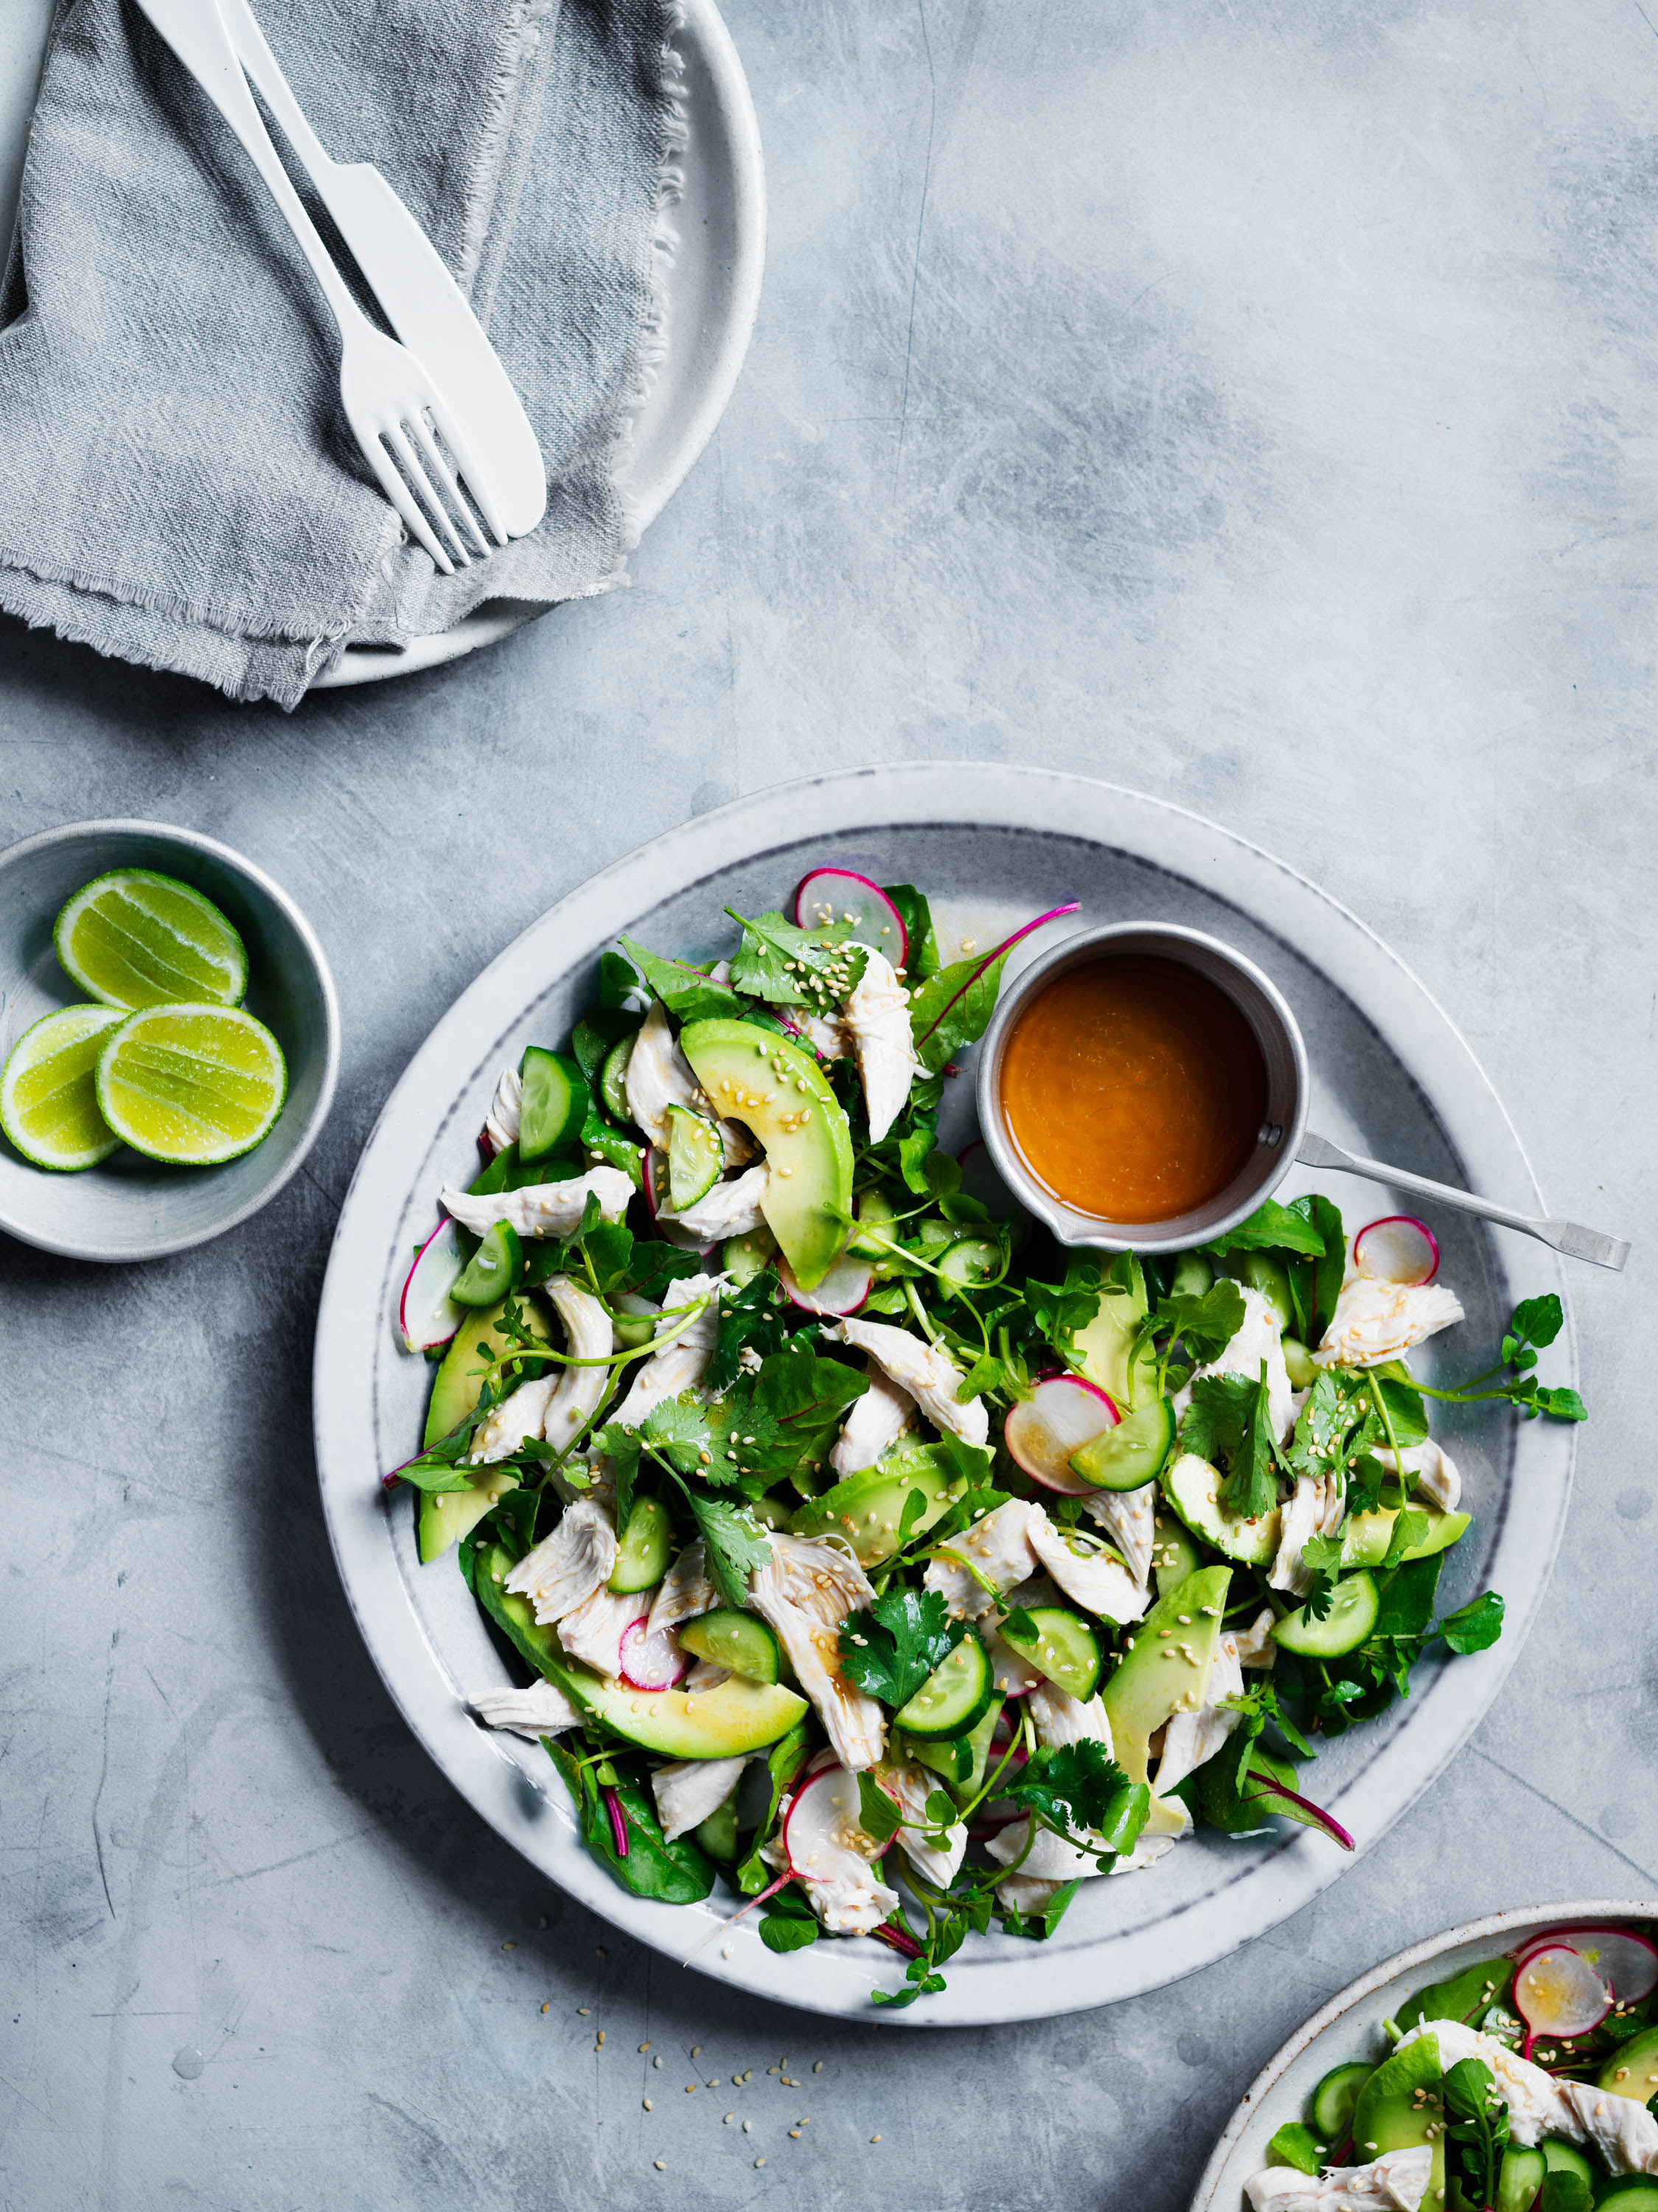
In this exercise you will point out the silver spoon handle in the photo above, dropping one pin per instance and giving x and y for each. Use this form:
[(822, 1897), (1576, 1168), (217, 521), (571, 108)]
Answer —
[(1568, 1236)]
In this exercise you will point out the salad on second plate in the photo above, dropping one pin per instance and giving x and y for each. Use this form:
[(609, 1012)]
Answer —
[(1526, 2080), (867, 1552)]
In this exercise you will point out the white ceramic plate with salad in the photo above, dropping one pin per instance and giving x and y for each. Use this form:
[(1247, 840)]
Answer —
[(1343, 2091), (991, 849)]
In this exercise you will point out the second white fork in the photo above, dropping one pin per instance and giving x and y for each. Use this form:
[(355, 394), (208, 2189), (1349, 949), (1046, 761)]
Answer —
[(386, 394)]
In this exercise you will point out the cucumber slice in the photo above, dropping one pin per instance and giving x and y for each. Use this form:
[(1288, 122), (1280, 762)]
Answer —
[(1354, 1604), (647, 1546), (1063, 1646), (1297, 2146), (974, 1260), (1192, 1486), (1132, 1453), (1270, 1278), (613, 1077), (1173, 1555), (1333, 2099), (1628, 2192), (954, 1696), (1560, 2156), (696, 1156), (745, 1257), (493, 1270), (1193, 1275), (741, 1641), (962, 1766), (555, 1099), (1520, 2175)]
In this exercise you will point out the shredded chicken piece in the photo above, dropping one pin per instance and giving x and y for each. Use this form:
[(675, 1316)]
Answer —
[(825, 1033), (909, 1788), (931, 1377), (1093, 1580), (877, 1020), (704, 1675), (517, 1418), (998, 1551), (834, 1856), (1376, 1321), (874, 1424), (1053, 1858), (659, 1075), (685, 1592), (505, 1118), (688, 1790), (1060, 1718), (730, 1209), (557, 1405), (1434, 1470), (1255, 1647), (1314, 1508), (1129, 1517), (592, 1632), (805, 1591), (541, 1710), (542, 1209), (568, 1566), (1395, 2182), (1189, 1738), (679, 1365), (1260, 1337), (1542, 2104)]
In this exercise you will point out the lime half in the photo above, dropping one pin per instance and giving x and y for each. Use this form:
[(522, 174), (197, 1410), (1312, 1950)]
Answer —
[(135, 939), (194, 1085), (48, 1094)]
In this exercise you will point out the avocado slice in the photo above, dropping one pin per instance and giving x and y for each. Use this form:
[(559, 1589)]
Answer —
[(446, 1515), (1366, 1540), (1387, 2116), (1632, 2071), (780, 1093), (1106, 1346), (1162, 1674), (1192, 1486), (736, 1717), (868, 1507)]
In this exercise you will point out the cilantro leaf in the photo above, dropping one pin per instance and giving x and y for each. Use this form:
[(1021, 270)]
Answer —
[(754, 1316), (1080, 1788), (1207, 1323), (433, 1475), (781, 1421), (674, 1431), (1229, 1423), (1323, 1555), (1271, 1228), (889, 1649), (736, 1546)]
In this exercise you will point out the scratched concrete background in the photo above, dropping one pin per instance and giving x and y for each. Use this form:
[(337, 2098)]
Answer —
[(1254, 405)]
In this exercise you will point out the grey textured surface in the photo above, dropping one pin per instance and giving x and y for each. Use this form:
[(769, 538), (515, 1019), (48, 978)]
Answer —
[(1253, 405)]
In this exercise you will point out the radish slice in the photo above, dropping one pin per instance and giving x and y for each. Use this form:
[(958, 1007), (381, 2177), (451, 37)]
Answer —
[(652, 1662), (1398, 1249), (1062, 1414), (828, 896), (823, 1822), (427, 1315), (1054, 914), (1557, 1992), (1618, 1956), (842, 1291)]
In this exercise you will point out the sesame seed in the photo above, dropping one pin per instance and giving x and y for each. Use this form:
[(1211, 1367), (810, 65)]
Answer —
[(546, 2006), (696, 2050), (760, 2161), (730, 2117), (748, 2127), (649, 2107), (509, 1946), (599, 2046), (818, 2066), (656, 2061), (583, 2010), (794, 2135), (875, 2138), (644, 2046)]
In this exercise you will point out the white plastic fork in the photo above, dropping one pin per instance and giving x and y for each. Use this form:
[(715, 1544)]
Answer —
[(386, 394)]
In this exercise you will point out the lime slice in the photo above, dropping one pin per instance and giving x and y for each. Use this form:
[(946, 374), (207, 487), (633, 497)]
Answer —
[(48, 1098), (195, 1084), (135, 939)]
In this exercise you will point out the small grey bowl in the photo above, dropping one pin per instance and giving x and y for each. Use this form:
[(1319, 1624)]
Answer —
[(1262, 1005), (133, 1208)]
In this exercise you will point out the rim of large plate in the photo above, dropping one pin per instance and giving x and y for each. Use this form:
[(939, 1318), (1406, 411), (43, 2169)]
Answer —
[(1075, 1970), (1507, 1925)]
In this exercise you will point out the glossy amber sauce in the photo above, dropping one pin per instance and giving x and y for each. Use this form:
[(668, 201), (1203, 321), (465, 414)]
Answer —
[(1134, 1087)]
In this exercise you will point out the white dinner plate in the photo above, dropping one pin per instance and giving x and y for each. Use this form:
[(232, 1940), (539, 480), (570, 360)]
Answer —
[(992, 846), (714, 293), (1349, 2026)]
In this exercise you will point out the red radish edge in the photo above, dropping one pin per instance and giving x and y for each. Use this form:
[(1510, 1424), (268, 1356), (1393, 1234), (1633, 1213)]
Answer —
[(1568, 1939), (1067, 1484), (432, 1343), (991, 958), (619, 1820), (634, 1635), (852, 876), (1332, 1826), (1563, 2034), (855, 1274), (900, 1939), (1399, 1224)]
